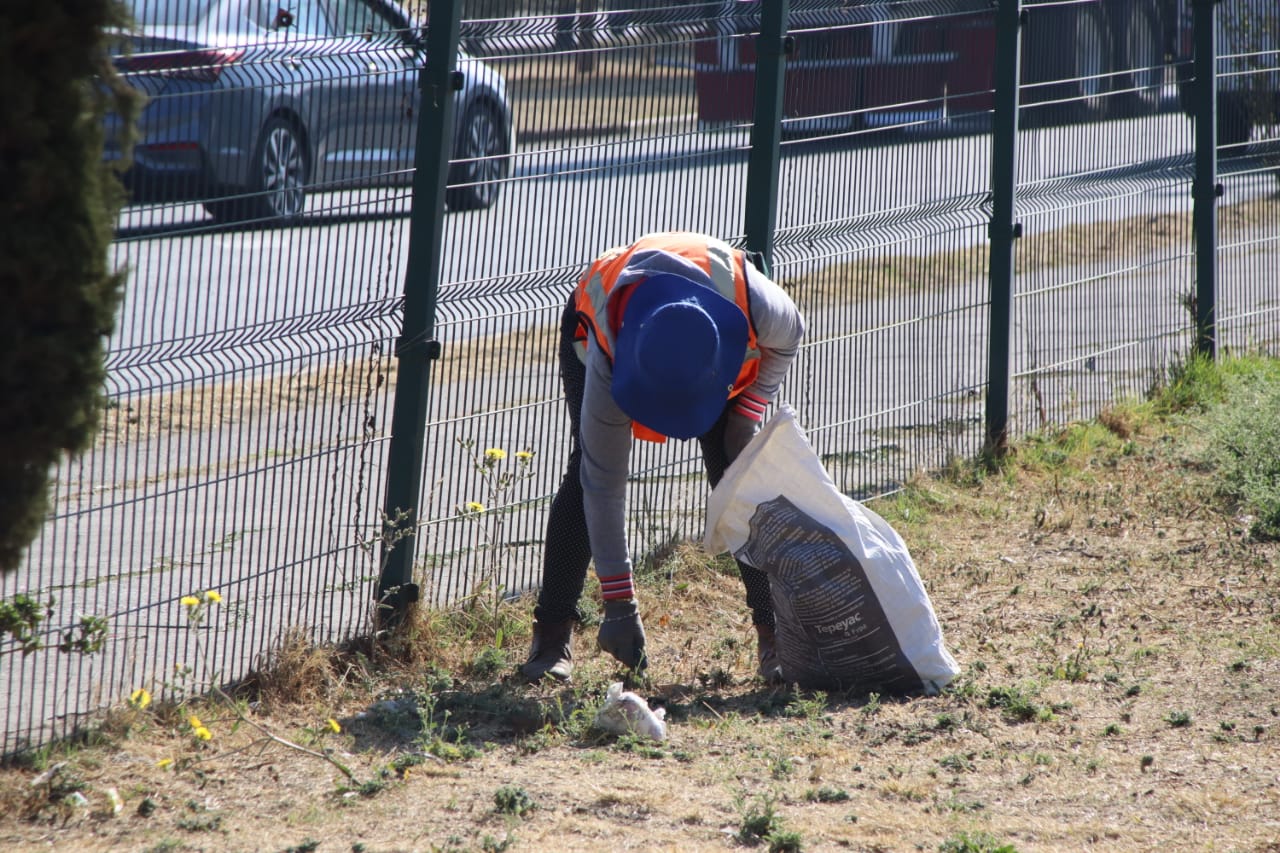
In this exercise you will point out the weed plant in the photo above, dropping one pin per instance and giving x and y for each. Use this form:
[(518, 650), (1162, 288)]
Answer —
[(1243, 436), (513, 800)]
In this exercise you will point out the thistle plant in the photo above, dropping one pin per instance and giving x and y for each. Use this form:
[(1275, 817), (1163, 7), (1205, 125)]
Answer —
[(198, 608), (394, 529), (499, 478)]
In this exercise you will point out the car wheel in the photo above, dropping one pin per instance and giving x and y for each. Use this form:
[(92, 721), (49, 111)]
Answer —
[(277, 181), (1067, 56), (480, 160), (1090, 65), (1141, 55), (1234, 126)]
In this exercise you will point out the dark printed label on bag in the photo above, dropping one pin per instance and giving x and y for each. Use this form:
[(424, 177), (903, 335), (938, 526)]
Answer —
[(832, 631)]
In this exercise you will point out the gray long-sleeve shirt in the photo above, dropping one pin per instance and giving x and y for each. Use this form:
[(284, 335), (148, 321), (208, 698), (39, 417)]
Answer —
[(606, 429)]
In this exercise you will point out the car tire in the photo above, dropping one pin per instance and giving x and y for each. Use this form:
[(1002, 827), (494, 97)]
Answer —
[(277, 182), (1140, 52), (481, 160), (1234, 125), (1063, 45), (1089, 64)]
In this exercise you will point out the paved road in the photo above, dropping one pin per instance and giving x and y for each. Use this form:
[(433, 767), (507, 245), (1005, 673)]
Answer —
[(208, 288)]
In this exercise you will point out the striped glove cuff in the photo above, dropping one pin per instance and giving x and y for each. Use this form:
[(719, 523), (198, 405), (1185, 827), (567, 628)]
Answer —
[(750, 406), (617, 587)]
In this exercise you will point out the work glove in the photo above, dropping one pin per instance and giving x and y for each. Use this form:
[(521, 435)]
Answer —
[(742, 423), (622, 634)]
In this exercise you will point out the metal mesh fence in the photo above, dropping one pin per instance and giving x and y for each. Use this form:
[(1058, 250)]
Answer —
[(254, 364), (1248, 115), (882, 220), (242, 450), (1104, 261)]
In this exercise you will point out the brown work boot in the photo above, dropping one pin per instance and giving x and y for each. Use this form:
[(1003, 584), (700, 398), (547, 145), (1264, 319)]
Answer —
[(767, 655), (549, 653)]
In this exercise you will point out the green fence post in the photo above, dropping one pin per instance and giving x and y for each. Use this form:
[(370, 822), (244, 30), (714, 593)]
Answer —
[(772, 47), (415, 348), (1003, 230), (1205, 188)]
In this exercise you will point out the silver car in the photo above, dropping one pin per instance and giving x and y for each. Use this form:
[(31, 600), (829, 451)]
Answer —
[(251, 105)]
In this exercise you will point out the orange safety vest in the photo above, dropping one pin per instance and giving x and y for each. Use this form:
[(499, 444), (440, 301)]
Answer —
[(599, 315)]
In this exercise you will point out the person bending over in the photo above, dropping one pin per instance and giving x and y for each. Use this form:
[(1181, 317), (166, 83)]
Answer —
[(677, 335)]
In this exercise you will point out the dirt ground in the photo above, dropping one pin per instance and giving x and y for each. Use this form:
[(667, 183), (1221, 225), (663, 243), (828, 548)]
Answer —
[(1116, 625)]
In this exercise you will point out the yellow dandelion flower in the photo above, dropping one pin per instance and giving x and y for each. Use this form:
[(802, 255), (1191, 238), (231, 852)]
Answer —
[(333, 726), (495, 454), (473, 506), (189, 601), (194, 722), (164, 763), (140, 698), (214, 596), (524, 455), (202, 733)]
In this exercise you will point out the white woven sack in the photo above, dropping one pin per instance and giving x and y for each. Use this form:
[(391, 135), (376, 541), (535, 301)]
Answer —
[(852, 612)]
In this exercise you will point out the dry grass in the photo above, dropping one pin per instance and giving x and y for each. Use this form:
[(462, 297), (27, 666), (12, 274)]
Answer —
[(1115, 243), (1119, 634), (342, 385), (298, 673), (601, 93)]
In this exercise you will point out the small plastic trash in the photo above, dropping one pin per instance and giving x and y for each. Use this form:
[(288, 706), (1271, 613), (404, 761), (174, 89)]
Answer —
[(626, 713)]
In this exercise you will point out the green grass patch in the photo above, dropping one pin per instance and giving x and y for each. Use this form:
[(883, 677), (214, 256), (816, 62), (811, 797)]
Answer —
[(1244, 444)]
